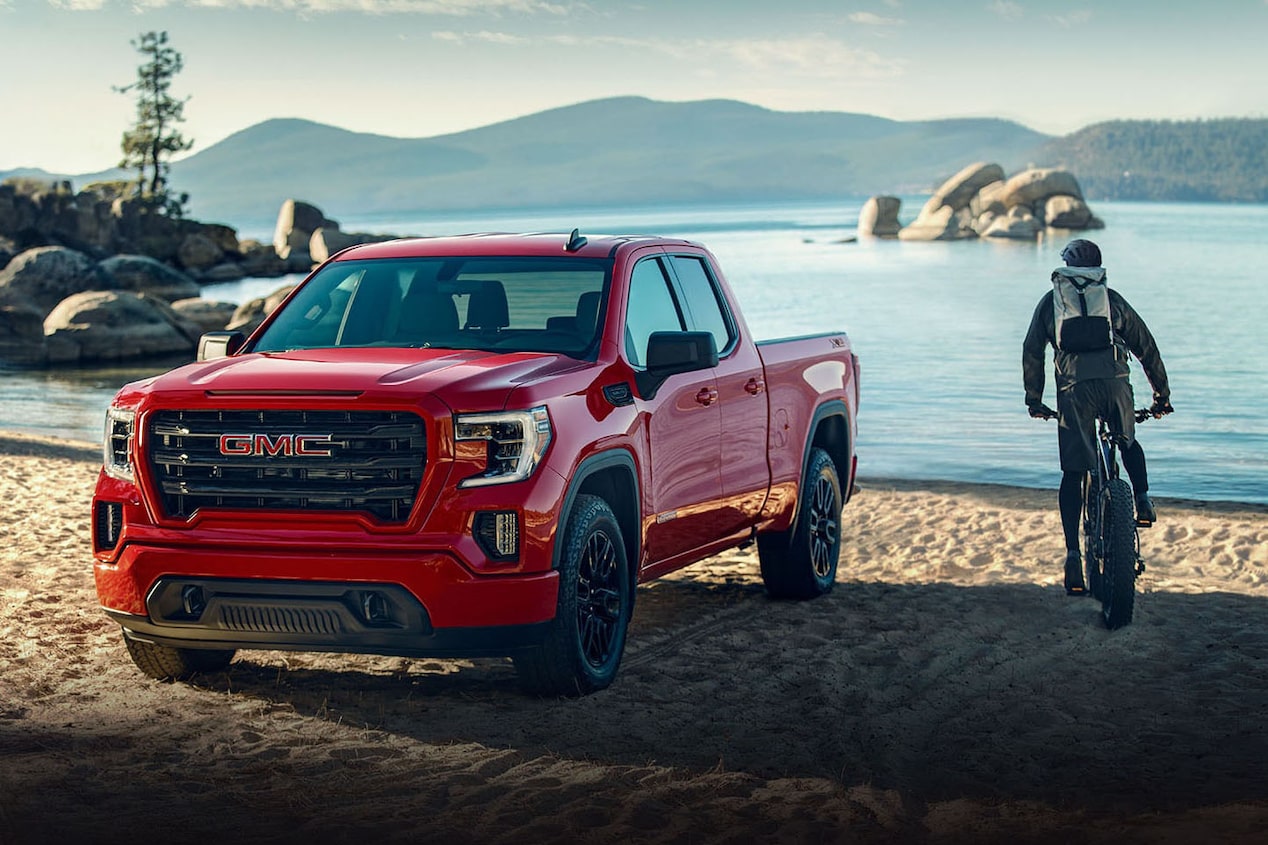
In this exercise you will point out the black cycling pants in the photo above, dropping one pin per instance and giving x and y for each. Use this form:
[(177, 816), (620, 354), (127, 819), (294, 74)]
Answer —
[(1070, 496)]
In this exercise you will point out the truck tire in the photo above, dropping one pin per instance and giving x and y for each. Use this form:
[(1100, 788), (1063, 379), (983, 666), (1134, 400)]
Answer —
[(802, 563), (164, 663), (582, 648)]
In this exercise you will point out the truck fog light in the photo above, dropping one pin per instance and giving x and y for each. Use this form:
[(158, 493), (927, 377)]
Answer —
[(193, 600), (498, 533), (374, 608), (107, 525)]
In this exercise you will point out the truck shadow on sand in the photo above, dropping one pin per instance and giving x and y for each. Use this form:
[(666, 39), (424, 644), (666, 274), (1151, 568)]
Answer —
[(938, 691)]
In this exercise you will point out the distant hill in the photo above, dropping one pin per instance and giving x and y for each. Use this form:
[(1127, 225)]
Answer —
[(1200, 160), (631, 150), (599, 153)]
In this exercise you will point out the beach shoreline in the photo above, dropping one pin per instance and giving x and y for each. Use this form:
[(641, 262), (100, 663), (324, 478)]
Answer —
[(945, 691)]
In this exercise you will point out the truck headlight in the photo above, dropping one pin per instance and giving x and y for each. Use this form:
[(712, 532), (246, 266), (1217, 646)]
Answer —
[(516, 442), (116, 444)]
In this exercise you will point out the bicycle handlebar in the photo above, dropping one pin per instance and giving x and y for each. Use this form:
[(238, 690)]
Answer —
[(1141, 415)]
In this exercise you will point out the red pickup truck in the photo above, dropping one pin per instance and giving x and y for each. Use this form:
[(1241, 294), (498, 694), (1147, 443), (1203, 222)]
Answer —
[(466, 446)]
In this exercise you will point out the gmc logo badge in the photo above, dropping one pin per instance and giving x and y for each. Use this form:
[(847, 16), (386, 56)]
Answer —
[(285, 445)]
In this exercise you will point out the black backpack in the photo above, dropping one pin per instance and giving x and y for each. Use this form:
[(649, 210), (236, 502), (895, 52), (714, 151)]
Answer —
[(1081, 309)]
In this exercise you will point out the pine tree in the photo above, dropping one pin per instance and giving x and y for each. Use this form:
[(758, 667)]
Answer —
[(149, 144)]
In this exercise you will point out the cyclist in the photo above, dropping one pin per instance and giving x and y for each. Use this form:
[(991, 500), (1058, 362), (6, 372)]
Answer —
[(1090, 382)]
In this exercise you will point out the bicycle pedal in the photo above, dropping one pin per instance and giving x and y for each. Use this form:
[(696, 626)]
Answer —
[(1144, 523)]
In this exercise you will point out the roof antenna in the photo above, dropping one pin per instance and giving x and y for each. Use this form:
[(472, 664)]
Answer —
[(575, 241)]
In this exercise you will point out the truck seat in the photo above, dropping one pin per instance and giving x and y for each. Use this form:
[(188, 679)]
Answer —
[(487, 310)]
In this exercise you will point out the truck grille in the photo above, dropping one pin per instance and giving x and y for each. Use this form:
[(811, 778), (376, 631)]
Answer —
[(370, 461)]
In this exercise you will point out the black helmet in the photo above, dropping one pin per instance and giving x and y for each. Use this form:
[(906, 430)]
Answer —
[(1081, 253)]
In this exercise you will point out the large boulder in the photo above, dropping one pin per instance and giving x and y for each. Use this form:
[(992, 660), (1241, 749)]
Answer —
[(21, 335), (987, 201), (959, 191), (198, 253), (979, 202), (89, 222), (1066, 212), (116, 325), (879, 218), (225, 237), (142, 274), (250, 314), (260, 259), (206, 314), (17, 211), (44, 276), (1038, 183), (953, 211), (296, 222), (225, 271), (1018, 224), (943, 224), (326, 242)]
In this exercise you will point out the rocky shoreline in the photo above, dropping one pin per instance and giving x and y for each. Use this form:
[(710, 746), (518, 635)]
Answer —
[(92, 277), (96, 276)]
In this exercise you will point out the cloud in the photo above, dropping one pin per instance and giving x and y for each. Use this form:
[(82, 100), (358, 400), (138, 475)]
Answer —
[(1073, 19), (1008, 9), (813, 57), (483, 37), (75, 5), (871, 19)]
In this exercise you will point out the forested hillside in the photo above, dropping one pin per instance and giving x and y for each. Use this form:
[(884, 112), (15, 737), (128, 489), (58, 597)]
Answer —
[(1222, 160), (631, 150)]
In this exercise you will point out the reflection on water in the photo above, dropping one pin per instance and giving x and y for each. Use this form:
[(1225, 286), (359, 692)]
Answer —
[(68, 402)]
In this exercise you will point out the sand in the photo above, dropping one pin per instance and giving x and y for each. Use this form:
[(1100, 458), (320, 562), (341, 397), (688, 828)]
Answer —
[(947, 690)]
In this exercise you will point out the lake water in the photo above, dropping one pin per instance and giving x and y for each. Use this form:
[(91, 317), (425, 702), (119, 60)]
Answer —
[(938, 328)]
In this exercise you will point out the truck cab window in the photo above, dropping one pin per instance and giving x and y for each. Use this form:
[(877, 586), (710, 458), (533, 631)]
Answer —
[(702, 301), (652, 308)]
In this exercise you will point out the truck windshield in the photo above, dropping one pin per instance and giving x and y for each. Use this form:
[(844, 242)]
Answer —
[(499, 304)]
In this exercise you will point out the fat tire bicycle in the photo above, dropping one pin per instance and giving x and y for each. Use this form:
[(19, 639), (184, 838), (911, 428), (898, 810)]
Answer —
[(1111, 539)]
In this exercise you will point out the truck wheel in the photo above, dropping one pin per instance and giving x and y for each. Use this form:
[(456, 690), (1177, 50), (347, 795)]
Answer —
[(164, 663), (802, 563), (582, 648)]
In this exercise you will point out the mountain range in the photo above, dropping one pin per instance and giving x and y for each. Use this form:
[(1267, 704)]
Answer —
[(636, 151)]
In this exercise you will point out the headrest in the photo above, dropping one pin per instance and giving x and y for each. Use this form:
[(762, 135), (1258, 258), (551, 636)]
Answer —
[(588, 312), (487, 307)]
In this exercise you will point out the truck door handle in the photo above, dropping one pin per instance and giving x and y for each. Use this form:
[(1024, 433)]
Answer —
[(755, 386), (707, 396)]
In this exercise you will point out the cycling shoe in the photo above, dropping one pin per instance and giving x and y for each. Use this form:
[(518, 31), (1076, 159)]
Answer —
[(1145, 514), (1074, 585)]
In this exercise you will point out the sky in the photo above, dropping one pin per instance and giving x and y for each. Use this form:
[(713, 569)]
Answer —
[(422, 68)]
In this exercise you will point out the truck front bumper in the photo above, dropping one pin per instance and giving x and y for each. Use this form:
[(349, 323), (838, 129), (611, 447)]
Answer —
[(420, 604)]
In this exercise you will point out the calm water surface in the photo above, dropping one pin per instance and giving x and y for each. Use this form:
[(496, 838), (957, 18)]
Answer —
[(937, 326)]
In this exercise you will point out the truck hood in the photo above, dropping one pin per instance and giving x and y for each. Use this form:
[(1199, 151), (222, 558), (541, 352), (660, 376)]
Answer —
[(461, 378)]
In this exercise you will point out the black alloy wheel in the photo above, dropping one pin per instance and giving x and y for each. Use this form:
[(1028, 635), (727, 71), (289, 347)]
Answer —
[(600, 605)]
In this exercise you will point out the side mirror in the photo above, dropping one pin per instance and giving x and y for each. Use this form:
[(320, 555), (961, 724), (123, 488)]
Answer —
[(671, 353), (213, 345)]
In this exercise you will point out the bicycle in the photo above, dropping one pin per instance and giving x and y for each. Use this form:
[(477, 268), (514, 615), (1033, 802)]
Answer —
[(1111, 530)]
